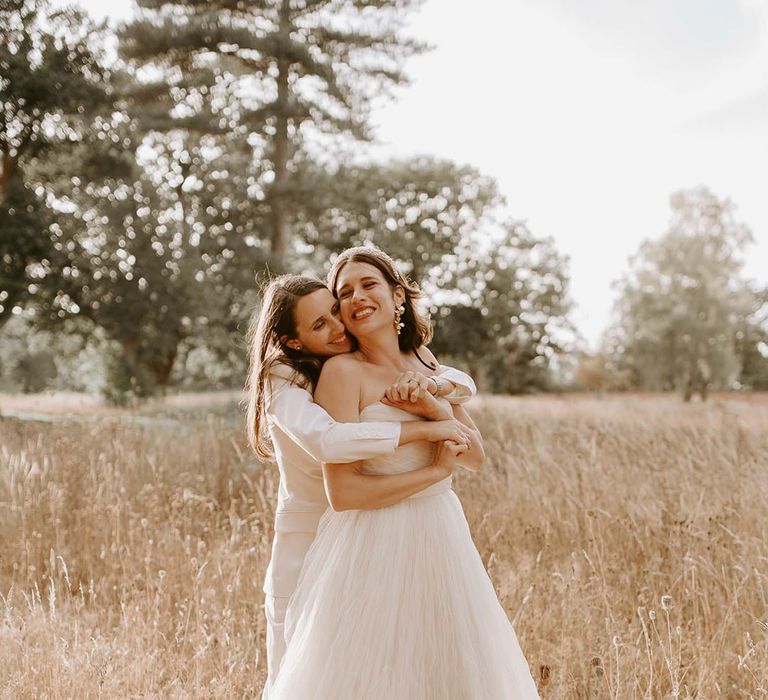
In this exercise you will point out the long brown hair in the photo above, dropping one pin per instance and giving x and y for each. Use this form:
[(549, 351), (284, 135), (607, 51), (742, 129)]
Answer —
[(270, 327), (417, 330)]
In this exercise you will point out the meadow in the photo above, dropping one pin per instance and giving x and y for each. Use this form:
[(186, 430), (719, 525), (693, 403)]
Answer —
[(625, 537)]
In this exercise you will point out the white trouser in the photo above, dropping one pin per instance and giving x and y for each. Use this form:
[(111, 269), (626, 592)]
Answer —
[(288, 552)]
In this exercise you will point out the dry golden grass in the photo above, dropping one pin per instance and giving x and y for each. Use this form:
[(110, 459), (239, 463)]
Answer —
[(625, 538)]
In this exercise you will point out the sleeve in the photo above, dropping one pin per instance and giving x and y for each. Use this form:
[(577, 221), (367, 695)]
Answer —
[(465, 387), (309, 425)]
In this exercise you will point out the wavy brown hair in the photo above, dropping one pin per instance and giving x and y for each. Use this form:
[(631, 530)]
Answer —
[(417, 330), (271, 326)]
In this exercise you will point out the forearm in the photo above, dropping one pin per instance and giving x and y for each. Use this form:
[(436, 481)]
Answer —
[(440, 411), (349, 489), (292, 410), (444, 387), (415, 431)]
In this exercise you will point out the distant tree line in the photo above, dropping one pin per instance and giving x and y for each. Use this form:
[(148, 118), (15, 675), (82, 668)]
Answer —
[(686, 318), (143, 198)]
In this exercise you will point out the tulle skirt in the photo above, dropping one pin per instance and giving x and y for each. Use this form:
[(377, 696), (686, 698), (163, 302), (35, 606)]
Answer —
[(395, 604)]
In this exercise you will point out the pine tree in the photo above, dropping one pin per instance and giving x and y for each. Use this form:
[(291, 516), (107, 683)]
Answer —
[(279, 72)]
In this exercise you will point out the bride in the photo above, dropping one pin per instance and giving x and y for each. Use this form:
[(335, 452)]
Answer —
[(394, 603)]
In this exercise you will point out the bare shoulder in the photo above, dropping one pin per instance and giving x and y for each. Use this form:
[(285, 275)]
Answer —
[(339, 366), (338, 390)]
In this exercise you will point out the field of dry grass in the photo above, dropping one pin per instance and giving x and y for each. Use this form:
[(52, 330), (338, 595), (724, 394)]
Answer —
[(625, 537)]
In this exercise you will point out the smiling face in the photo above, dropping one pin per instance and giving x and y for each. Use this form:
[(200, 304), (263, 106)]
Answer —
[(367, 301), (319, 330)]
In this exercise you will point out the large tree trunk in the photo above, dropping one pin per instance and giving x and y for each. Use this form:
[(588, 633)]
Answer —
[(162, 366), (8, 167), (280, 150), (688, 391), (130, 347), (13, 279)]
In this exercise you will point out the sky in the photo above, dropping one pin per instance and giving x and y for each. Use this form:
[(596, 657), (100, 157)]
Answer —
[(590, 114)]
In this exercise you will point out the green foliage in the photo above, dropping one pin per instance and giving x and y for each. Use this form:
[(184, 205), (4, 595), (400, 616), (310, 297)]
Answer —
[(76, 349), (152, 195), (216, 360), (152, 266), (23, 220), (126, 380), (507, 308), (683, 301), (282, 71), (752, 343), (497, 293), (418, 210), (52, 83), (35, 371)]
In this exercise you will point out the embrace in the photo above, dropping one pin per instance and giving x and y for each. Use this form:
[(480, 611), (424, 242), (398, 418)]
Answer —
[(382, 595)]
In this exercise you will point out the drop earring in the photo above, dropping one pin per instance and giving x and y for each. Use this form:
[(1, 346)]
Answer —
[(399, 325)]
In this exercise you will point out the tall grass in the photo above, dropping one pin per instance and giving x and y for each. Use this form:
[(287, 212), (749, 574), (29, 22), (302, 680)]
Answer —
[(626, 540)]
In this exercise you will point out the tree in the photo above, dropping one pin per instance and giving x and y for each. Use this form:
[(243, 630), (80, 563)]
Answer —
[(752, 343), (148, 271), (290, 70), (419, 210), (52, 85), (683, 300), (505, 308), (484, 278)]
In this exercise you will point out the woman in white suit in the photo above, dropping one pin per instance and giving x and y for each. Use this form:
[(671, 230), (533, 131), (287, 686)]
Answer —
[(298, 327)]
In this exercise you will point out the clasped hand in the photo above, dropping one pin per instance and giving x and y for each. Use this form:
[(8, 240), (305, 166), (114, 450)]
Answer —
[(410, 392)]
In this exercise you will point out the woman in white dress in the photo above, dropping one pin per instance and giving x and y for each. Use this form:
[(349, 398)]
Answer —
[(393, 603), (296, 329)]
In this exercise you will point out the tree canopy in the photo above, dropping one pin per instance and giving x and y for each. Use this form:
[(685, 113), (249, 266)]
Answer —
[(144, 197), (287, 72), (53, 85), (684, 306)]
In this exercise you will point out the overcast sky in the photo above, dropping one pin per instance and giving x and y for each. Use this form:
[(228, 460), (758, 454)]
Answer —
[(590, 114)]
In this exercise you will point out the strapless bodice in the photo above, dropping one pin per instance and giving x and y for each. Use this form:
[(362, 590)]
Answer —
[(405, 458)]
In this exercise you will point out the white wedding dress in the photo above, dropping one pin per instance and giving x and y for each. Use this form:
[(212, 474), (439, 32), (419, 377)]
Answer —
[(395, 603)]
